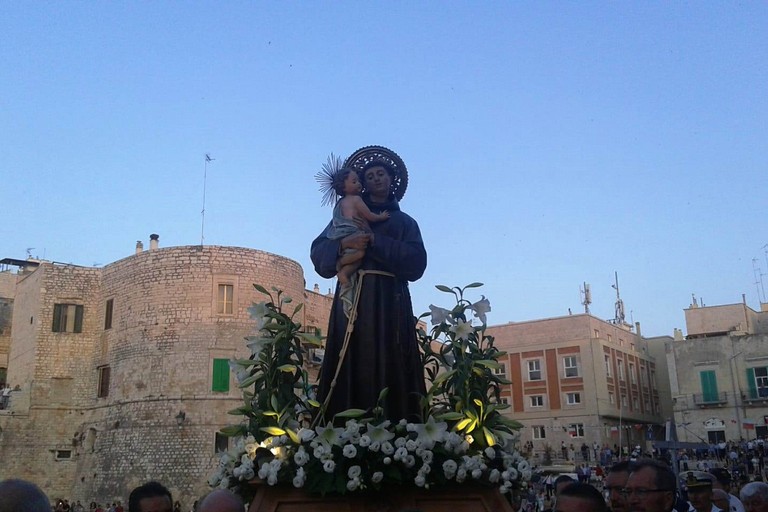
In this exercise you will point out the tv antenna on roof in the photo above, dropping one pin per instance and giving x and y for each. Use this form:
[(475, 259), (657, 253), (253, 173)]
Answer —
[(586, 297), (758, 280), (619, 318), (202, 213)]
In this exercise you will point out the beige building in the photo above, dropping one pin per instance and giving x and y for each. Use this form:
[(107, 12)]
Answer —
[(580, 380), (719, 373), (122, 370)]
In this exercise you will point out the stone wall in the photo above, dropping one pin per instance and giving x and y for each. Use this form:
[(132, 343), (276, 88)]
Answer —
[(165, 333)]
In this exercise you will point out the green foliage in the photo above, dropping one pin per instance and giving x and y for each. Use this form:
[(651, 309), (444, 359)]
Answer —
[(276, 388), (459, 359)]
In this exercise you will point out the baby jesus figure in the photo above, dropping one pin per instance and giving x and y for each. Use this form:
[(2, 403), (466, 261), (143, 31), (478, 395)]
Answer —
[(350, 215)]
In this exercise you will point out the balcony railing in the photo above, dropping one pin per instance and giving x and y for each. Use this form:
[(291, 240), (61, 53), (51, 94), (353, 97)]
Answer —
[(757, 396), (710, 399)]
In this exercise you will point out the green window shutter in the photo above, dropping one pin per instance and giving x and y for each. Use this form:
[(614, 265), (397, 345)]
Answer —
[(751, 383), (709, 386), (220, 381), (78, 318), (56, 318)]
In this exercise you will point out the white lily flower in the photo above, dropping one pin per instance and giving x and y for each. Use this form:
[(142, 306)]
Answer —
[(259, 313), (430, 432), (256, 344), (380, 433), (439, 315), (241, 371), (480, 308), (329, 435), (462, 329), (306, 434)]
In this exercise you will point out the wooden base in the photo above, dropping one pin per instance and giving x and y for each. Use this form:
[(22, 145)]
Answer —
[(460, 498)]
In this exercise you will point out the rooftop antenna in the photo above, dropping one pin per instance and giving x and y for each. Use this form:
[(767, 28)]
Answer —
[(586, 297), (619, 317), (205, 176), (29, 252), (758, 280)]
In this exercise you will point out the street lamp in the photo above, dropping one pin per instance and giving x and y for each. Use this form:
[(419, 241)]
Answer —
[(180, 418)]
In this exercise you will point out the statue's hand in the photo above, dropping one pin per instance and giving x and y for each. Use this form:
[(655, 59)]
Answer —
[(357, 241)]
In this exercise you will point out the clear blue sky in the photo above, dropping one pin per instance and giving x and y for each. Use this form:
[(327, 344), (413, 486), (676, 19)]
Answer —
[(548, 143)]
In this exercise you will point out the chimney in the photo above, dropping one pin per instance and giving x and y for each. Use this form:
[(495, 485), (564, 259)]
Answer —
[(317, 288), (637, 329), (153, 241), (139, 247)]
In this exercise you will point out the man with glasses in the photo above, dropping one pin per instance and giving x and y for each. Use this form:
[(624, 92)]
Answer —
[(614, 483), (650, 487)]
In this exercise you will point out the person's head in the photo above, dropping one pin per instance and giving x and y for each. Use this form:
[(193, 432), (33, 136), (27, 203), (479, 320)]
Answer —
[(220, 500), (699, 486), (614, 483), (347, 182), (754, 496), (150, 497), (722, 479), (562, 482), (579, 497), (378, 177), (720, 499), (651, 487), (22, 496)]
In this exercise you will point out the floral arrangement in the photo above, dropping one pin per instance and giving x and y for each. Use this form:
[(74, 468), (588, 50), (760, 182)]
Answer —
[(465, 436)]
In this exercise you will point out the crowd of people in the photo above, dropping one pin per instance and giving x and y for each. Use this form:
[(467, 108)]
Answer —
[(727, 477), (21, 496)]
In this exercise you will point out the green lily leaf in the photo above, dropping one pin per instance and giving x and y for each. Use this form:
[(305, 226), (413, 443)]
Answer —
[(274, 431), (350, 413), (233, 430)]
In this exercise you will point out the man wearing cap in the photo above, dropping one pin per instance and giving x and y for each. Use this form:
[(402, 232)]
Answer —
[(723, 481), (699, 485)]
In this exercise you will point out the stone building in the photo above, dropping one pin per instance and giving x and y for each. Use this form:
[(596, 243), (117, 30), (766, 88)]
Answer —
[(719, 373), (578, 379), (123, 371)]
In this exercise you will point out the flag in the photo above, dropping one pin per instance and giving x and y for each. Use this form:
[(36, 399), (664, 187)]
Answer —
[(748, 424)]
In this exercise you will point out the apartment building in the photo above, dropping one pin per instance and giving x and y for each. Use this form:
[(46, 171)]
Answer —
[(719, 373), (578, 380)]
